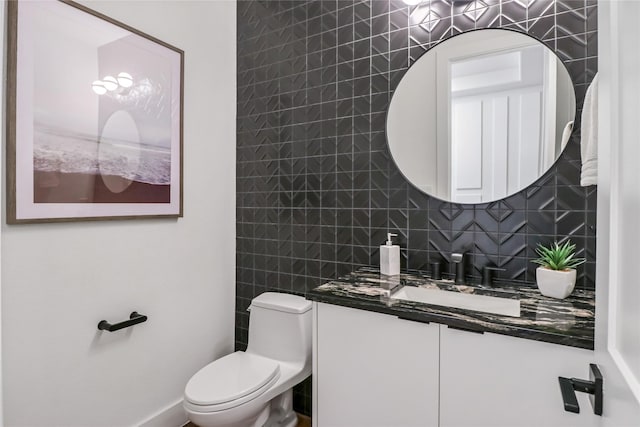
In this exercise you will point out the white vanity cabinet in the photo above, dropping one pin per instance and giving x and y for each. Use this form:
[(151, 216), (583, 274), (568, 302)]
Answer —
[(376, 370), (373, 370), (491, 380)]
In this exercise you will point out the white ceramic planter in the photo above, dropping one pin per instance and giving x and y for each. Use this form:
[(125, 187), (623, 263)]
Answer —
[(555, 283)]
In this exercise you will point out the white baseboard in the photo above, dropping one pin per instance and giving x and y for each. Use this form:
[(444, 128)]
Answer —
[(171, 416)]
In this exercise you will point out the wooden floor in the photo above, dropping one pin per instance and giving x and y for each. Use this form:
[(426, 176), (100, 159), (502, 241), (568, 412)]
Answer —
[(303, 421)]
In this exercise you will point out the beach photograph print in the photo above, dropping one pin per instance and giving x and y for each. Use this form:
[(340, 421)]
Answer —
[(98, 129)]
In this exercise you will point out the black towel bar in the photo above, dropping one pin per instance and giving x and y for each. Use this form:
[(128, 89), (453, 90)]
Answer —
[(134, 319)]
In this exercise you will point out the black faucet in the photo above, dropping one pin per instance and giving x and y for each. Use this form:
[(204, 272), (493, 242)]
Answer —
[(487, 274), (458, 259)]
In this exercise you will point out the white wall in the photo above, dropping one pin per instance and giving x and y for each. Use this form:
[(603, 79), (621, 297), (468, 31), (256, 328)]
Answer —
[(59, 280), (2, 139)]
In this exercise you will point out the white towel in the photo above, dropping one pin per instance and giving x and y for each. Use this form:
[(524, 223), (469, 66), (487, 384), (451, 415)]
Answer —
[(589, 135), (566, 134)]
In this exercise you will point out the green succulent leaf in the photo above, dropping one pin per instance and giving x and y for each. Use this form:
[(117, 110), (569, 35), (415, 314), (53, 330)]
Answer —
[(557, 257)]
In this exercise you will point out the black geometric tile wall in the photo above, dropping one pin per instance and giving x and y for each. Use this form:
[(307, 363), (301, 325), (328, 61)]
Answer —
[(317, 190)]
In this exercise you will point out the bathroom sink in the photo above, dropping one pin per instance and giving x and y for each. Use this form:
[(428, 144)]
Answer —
[(467, 301)]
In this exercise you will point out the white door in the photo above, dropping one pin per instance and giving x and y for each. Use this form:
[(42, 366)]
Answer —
[(618, 293)]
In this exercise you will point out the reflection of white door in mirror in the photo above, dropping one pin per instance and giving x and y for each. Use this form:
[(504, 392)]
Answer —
[(497, 122), (482, 117)]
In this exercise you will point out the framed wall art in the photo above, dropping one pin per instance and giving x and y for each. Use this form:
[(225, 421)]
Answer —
[(94, 117)]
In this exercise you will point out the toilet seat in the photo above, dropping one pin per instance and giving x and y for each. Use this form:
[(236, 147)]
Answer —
[(230, 381)]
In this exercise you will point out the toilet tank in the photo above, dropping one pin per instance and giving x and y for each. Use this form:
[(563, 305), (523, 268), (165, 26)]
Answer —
[(280, 327)]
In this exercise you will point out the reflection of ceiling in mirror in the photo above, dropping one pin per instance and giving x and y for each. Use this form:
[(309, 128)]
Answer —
[(474, 72), (499, 70)]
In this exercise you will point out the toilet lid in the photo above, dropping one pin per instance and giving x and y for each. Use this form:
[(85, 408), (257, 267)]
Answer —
[(230, 378)]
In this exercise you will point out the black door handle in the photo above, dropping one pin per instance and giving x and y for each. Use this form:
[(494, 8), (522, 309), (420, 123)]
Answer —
[(569, 386)]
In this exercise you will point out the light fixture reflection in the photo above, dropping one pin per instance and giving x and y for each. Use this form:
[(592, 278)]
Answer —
[(110, 83), (98, 87), (113, 84), (412, 2), (125, 80)]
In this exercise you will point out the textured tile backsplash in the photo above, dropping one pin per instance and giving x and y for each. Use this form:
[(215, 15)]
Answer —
[(317, 190)]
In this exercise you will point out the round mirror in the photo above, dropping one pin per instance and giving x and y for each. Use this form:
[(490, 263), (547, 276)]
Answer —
[(481, 116)]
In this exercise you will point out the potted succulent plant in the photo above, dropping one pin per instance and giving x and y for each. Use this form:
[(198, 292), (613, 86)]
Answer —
[(556, 276)]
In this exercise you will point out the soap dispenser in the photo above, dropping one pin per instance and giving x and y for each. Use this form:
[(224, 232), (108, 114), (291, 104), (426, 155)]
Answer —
[(390, 257)]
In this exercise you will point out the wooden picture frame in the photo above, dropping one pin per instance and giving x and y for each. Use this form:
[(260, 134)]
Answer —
[(94, 117)]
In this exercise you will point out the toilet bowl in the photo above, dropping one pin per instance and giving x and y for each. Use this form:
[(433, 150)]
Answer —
[(253, 388)]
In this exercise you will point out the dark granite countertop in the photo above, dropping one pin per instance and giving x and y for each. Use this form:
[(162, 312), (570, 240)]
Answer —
[(567, 322)]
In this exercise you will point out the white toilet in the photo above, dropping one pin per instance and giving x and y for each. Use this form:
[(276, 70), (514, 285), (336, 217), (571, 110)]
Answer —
[(253, 388)]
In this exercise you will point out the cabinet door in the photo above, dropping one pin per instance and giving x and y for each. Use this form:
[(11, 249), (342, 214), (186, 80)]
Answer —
[(374, 370), (494, 380)]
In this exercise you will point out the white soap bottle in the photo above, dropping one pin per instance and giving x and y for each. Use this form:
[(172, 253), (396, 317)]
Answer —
[(390, 257)]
